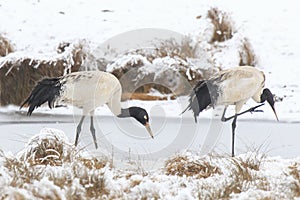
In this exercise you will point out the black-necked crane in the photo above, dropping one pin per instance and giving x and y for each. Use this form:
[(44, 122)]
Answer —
[(87, 90), (233, 86)]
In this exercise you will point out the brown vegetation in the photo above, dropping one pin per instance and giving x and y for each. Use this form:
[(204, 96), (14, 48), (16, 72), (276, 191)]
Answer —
[(171, 48), (183, 166), (243, 174), (294, 171), (247, 55), (223, 25), (206, 177), (18, 77), (5, 46), (44, 152), (145, 96), (165, 80), (51, 150), (170, 76)]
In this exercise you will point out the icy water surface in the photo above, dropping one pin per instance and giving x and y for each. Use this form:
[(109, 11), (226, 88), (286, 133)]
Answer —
[(126, 138)]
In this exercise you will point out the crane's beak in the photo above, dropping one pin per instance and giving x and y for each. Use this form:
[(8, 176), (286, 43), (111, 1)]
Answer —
[(271, 101), (273, 108), (149, 130)]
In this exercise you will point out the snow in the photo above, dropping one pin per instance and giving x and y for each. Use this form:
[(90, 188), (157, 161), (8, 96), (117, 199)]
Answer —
[(37, 27), (130, 60), (256, 175), (38, 37)]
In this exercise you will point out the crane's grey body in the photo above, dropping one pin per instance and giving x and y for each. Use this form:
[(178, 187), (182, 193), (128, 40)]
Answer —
[(87, 90), (234, 86)]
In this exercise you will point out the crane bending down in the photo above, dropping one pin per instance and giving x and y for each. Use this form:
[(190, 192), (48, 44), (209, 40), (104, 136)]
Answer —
[(231, 87), (87, 90)]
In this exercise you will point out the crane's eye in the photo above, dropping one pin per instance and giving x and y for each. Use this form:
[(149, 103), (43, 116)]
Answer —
[(145, 117)]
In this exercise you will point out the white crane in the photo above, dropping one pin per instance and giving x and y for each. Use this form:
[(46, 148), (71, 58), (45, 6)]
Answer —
[(233, 86), (87, 90)]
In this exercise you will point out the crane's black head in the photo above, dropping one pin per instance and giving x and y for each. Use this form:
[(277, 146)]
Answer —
[(268, 96), (139, 114)]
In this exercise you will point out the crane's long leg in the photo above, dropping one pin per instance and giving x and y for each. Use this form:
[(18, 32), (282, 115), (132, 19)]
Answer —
[(233, 134), (224, 119), (78, 130), (92, 128)]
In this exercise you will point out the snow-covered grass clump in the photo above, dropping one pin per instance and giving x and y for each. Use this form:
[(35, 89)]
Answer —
[(167, 64), (49, 167), (21, 70), (5, 46)]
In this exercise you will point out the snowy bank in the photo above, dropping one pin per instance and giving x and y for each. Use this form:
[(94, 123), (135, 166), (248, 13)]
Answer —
[(185, 175)]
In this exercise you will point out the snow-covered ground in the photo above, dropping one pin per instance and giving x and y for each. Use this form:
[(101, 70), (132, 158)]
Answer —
[(36, 27), (50, 168)]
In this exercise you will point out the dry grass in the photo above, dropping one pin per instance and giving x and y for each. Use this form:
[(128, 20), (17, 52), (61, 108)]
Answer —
[(241, 171), (62, 47), (171, 56), (22, 172), (207, 177), (247, 55), (94, 184), (223, 25), (46, 158), (242, 174), (144, 96), (5, 46), (50, 150), (169, 48), (91, 179), (252, 161), (94, 163), (19, 76), (128, 73), (244, 170), (294, 171), (183, 166)]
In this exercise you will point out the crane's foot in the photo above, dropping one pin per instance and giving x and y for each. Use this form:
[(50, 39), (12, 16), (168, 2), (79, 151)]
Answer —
[(251, 110), (78, 130)]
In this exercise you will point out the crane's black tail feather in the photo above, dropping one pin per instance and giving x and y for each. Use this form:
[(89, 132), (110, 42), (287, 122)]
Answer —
[(47, 89), (199, 99)]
